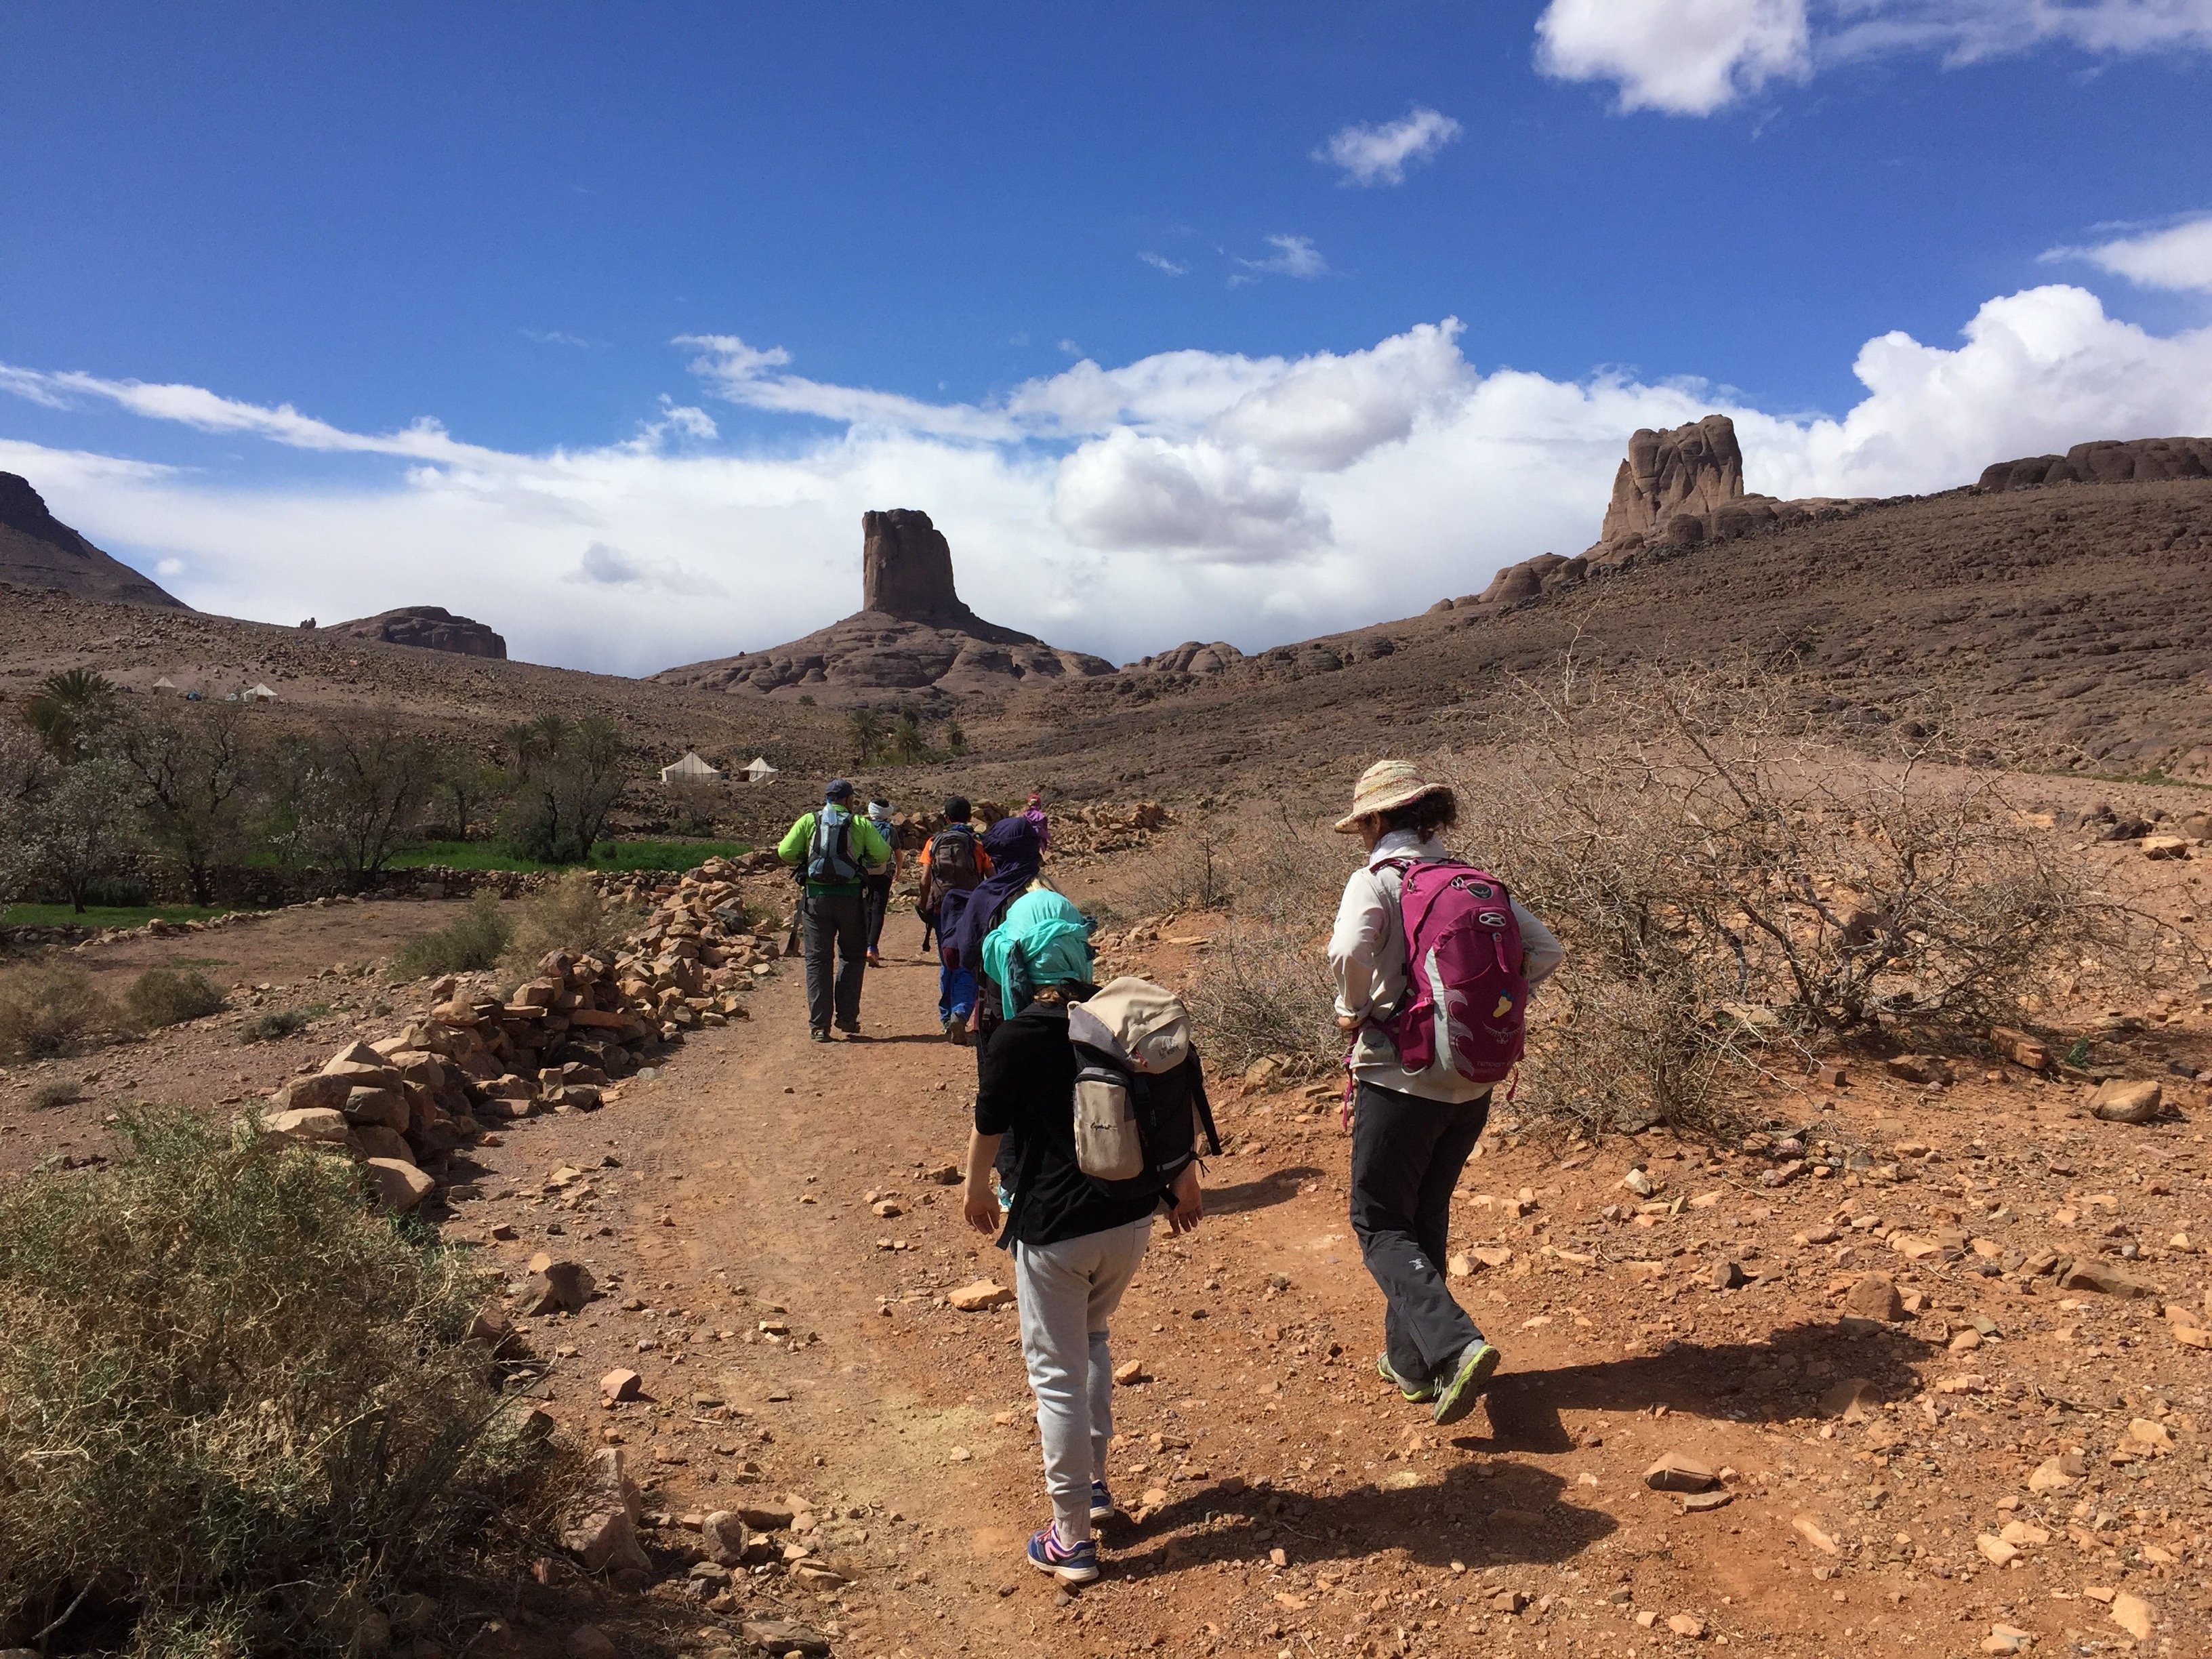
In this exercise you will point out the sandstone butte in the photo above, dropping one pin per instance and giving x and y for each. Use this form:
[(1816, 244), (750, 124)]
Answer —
[(911, 634)]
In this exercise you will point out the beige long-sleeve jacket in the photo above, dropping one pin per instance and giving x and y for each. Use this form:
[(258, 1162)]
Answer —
[(1367, 955)]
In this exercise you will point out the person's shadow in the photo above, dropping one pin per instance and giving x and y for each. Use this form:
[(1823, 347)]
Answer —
[(1276, 1187), (1498, 1513)]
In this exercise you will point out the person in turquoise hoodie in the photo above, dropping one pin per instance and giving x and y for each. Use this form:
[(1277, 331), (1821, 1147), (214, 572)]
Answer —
[(834, 852)]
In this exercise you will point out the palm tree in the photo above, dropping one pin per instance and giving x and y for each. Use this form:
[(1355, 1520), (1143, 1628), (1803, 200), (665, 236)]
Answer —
[(866, 729), (955, 739), (70, 709), (906, 745)]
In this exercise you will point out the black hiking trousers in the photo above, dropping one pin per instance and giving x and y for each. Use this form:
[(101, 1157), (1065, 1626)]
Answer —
[(1406, 1156), (836, 931), (876, 889)]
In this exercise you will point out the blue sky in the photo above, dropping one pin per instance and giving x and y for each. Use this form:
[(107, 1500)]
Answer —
[(1183, 322)]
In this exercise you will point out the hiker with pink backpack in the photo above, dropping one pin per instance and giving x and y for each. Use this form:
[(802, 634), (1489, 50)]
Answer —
[(1434, 963)]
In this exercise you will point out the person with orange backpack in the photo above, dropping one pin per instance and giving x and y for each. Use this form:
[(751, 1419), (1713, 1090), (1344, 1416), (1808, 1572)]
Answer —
[(1434, 963), (954, 861)]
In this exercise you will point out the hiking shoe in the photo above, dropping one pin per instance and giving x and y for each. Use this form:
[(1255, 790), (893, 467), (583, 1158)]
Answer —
[(818, 1034), (956, 1030), (1470, 1375), (1101, 1502), (1072, 1564), (1417, 1394), (875, 959), (852, 1030)]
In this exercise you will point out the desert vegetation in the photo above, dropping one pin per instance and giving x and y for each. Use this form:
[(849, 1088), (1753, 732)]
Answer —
[(238, 1410), (1741, 882)]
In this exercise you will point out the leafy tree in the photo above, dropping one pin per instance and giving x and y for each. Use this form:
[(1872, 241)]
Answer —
[(25, 770), (470, 785), (69, 710), (192, 775), (347, 799), (567, 776), (79, 832)]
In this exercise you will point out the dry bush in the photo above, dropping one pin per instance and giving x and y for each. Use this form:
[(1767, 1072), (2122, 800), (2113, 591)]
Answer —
[(276, 1022), (475, 940), (1734, 882), (50, 1009), (170, 996), (234, 1401), (569, 915), (60, 1091), (1190, 871), (694, 804), (1265, 989)]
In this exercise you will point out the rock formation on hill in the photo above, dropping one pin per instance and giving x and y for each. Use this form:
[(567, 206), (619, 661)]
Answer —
[(1675, 491), (912, 636), (37, 549), (2107, 461), (431, 627)]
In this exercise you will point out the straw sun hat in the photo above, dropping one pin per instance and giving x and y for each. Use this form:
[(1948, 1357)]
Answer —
[(1384, 787)]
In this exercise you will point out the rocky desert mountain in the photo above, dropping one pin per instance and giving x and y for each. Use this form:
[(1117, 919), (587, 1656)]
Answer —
[(429, 627), (912, 639), (37, 549)]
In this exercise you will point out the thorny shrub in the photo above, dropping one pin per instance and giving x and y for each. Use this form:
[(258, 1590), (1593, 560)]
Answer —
[(477, 939), (235, 1403), (51, 1008), (276, 1022), (569, 915), (170, 996), (1735, 881)]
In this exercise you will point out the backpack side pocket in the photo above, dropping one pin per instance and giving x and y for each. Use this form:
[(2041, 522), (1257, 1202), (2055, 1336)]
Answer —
[(1108, 1143)]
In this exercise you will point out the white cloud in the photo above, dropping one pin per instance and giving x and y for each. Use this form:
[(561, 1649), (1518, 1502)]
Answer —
[(1294, 255), (1681, 57), (170, 568), (1378, 155), (1694, 56), (2178, 257), (736, 371), (1161, 262), (1069, 349), (1206, 494), (556, 336)]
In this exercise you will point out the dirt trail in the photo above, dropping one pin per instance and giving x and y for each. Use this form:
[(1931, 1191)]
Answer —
[(1291, 1503)]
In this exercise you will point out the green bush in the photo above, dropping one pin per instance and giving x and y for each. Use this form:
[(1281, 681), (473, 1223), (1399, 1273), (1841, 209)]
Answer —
[(50, 1009), (477, 939), (235, 1403), (170, 996), (278, 1023)]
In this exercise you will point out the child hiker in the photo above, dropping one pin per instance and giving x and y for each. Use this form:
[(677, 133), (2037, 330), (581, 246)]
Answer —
[(1076, 1238)]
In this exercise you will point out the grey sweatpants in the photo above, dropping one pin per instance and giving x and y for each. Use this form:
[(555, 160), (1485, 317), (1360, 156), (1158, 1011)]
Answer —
[(1068, 1293)]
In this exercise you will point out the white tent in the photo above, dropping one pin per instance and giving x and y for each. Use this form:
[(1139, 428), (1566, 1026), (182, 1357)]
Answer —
[(690, 768), (258, 694), (164, 683), (758, 769)]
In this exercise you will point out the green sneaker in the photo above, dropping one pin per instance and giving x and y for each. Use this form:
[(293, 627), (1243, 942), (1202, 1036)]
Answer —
[(1469, 1377), (1415, 1394)]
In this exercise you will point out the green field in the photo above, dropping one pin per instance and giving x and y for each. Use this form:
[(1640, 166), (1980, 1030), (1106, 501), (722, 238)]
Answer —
[(107, 916), (607, 855)]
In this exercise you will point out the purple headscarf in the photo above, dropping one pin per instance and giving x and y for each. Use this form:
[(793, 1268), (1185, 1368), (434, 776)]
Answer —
[(964, 918)]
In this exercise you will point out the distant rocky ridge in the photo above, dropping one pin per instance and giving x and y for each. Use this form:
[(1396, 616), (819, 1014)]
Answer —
[(430, 626), (2106, 461), (912, 636), (37, 549), (1675, 491)]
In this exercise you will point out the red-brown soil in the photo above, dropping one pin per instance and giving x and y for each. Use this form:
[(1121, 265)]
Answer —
[(740, 1195)]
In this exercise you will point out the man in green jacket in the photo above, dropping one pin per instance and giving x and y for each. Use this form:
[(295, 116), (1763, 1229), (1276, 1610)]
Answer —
[(833, 851)]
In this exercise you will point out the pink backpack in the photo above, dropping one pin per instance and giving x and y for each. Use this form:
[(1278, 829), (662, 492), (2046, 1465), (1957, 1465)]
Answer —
[(1466, 986)]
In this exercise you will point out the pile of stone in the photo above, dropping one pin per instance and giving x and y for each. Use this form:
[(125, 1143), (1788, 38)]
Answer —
[(559, 1043)]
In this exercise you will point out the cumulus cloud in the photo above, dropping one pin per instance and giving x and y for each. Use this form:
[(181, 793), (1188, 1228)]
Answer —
[(1694, 56), (1679, 56), (609, 566), (1115, 509), (1379, 154), (2178, 257)]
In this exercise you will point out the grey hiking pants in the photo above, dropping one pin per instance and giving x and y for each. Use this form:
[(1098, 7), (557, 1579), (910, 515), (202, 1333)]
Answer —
[(836, 926), (1406, 1155), (1068, 1293)]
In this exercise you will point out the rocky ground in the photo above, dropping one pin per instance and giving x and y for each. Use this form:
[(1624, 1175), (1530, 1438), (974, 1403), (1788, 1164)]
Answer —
[(1921, 1368)]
